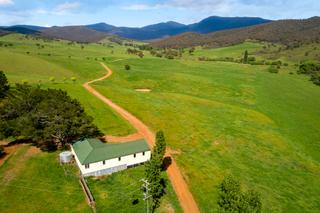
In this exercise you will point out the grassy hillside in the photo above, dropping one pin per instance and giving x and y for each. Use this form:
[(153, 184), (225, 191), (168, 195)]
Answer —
[(289, 32), (218, 117), (230, 118), (38, 68)]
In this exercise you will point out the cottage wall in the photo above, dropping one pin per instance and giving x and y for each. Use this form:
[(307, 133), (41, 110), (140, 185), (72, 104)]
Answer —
[(115, 163)]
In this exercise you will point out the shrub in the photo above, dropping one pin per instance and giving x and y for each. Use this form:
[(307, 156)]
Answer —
[(233, 199), (127, 67), (1, 150), (273, 69), (52, 79)]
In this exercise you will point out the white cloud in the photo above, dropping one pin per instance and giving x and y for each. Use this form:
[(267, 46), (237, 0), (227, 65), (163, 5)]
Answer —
[(5, 2), (141, 7), (206, 5), (66, 7)]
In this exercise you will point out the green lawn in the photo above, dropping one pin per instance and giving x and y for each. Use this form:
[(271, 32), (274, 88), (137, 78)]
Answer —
[(37, 183), (230, 118)]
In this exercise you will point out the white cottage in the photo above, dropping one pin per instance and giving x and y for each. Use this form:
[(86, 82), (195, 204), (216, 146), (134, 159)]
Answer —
[(95, 158)]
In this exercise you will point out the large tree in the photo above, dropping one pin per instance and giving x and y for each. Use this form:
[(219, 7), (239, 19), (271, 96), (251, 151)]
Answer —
[(49, 118), (4, 85)]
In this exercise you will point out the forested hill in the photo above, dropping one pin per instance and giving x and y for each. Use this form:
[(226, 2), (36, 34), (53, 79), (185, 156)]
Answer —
[(282, 31)]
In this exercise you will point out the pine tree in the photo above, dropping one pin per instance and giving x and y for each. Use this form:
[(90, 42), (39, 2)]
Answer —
[(160, 147), (154, 171)]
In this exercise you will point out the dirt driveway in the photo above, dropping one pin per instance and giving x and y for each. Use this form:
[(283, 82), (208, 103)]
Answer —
[(184, 195)]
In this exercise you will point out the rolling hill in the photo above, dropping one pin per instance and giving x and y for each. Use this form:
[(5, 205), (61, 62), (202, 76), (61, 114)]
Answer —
[(165, 29), (282, 31), (95, 32), (73, 33)]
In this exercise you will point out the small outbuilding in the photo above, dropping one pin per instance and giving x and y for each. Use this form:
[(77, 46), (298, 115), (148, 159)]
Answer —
[(95, 158)]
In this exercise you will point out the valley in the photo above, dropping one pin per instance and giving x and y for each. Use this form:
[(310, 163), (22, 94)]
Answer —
[(218, 117)]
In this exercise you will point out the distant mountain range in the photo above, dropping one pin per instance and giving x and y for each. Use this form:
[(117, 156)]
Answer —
[(166, 29), (150, 32), (213, 31), (282, 31)]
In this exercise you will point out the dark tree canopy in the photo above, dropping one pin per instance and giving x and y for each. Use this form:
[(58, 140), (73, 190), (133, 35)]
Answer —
[(50, 118), (4, 85)]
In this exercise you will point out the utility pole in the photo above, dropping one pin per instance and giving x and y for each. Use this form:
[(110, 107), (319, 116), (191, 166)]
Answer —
[(146, 195)]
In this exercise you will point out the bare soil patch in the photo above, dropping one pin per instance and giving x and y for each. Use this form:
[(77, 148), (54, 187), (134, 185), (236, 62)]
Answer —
[(9, 150), (143, 90), (122, 139)]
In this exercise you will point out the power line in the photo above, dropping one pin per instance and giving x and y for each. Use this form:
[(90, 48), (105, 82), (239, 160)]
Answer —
[(146, 194)]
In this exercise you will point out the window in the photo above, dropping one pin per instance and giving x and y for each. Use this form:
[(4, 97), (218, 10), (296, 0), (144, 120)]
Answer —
[(104, 162), (143, 153), (119, 158), (87, 166), (134, 155)]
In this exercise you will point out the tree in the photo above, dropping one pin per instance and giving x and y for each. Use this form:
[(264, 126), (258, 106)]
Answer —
[(191, 50), (160, 147), (154, 171), (230, 195), (140, 54), (4, 85), (127, 67), (49, 118), (245, 57), (232, 199)]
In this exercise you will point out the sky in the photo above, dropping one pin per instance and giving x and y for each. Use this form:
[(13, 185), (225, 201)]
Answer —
[(137, 13)]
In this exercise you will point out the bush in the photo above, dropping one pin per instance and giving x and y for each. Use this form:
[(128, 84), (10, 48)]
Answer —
[(273, 69), (4, 85), (127, 67), (1, 150), (233, 199)]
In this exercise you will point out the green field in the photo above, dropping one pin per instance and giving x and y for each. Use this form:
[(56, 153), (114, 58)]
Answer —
[(35, 182), (220, 118)]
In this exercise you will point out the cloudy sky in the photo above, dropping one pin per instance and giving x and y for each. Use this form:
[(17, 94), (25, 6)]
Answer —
[(136, 13)]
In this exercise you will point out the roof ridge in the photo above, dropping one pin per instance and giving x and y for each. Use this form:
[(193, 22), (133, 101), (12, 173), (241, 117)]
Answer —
[(92, 148)]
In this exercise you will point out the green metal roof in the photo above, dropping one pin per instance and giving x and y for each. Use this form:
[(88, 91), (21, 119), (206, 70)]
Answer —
[(93, 150)]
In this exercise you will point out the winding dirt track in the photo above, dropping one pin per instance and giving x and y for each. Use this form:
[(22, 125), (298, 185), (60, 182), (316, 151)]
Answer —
[(185, 197)]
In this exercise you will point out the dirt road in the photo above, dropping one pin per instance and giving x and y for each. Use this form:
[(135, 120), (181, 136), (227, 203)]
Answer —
[(185, 197)]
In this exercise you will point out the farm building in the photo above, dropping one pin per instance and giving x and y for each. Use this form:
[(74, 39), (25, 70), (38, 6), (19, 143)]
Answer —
[(95, 158)]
